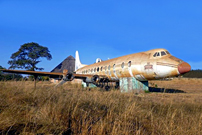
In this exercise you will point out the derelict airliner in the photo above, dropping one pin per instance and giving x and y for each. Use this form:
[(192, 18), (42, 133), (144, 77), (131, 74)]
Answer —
[(149, 65)]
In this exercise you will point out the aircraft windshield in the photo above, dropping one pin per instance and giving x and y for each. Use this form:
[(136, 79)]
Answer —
[(162, 53)]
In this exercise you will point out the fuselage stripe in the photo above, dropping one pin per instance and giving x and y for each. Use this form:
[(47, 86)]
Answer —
[(166, 64)]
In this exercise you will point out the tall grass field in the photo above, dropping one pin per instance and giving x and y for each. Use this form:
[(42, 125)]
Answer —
[(71, 109)]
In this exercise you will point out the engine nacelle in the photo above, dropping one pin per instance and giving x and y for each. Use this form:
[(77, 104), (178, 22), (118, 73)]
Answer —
[(96, 79), (69, 77)]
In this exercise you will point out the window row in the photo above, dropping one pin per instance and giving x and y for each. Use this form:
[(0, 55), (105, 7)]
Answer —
[(105, 68)]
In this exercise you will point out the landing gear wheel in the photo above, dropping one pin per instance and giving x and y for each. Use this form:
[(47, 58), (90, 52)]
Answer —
[(117, 85), (102, 85), (107, 88)]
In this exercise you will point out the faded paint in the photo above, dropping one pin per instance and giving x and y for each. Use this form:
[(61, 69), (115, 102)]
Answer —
[(144, 66), (131, 69)]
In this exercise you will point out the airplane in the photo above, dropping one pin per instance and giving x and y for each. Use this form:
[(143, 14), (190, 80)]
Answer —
[(143, 66)]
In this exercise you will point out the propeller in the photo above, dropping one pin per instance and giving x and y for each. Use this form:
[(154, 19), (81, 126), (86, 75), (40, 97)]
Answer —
[(61, 82), (66, 77)]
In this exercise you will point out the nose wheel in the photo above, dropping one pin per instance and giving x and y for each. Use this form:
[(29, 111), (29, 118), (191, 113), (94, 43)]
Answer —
[(107, 88)]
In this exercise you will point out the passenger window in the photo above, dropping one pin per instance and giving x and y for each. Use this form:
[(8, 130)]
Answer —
[(129, 64), (101, 69), (167, 52), (158, 54), (105, 68), (109, 67), (163, 53), (114, 67), (98, 69), (122, 65), (91, 70), (94, 69)]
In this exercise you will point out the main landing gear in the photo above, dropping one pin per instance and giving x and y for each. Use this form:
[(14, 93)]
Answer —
[(104, 83), (107, 85)]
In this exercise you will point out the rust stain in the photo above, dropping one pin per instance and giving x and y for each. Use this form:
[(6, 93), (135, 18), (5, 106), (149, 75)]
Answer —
[(140, 62), (167, 64)]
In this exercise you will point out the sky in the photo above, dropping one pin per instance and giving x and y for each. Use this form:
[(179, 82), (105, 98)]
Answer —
[(102, 28)]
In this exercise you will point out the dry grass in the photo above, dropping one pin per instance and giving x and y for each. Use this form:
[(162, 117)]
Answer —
[(188, 85), (72, 109)]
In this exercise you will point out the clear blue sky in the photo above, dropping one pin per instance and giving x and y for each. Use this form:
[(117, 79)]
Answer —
[(102, 28)]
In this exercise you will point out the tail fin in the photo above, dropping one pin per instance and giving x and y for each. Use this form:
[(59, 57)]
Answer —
[(78, 62)]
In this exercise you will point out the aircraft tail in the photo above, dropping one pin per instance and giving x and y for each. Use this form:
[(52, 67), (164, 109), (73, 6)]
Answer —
[(78, 62)]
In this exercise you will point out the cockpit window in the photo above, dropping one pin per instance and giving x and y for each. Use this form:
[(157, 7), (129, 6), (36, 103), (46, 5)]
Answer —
[(155, 54), (163, 53)]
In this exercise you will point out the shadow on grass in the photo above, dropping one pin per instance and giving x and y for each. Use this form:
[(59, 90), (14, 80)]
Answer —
[(164, 90)]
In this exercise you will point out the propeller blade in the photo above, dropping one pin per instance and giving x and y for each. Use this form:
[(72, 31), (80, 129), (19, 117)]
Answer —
[(64, 79), (60, 83)]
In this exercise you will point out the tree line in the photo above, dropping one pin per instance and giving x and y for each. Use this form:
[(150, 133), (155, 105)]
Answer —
[(193, 74)]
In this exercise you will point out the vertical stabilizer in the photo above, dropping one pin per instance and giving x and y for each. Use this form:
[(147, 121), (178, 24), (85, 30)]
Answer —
[(78, 62)]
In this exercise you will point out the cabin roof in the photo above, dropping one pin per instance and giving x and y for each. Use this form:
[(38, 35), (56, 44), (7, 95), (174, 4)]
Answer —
[(156, 50)]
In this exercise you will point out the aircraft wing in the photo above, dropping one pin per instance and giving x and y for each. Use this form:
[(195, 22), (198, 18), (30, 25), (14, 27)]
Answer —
[(65, 76), (51, 74), (36, 73)]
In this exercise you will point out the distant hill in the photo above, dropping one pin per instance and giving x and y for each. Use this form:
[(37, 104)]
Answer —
[(193, 74)]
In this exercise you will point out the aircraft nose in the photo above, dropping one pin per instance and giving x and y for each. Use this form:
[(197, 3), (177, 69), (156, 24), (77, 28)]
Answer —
[(184, 67)]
